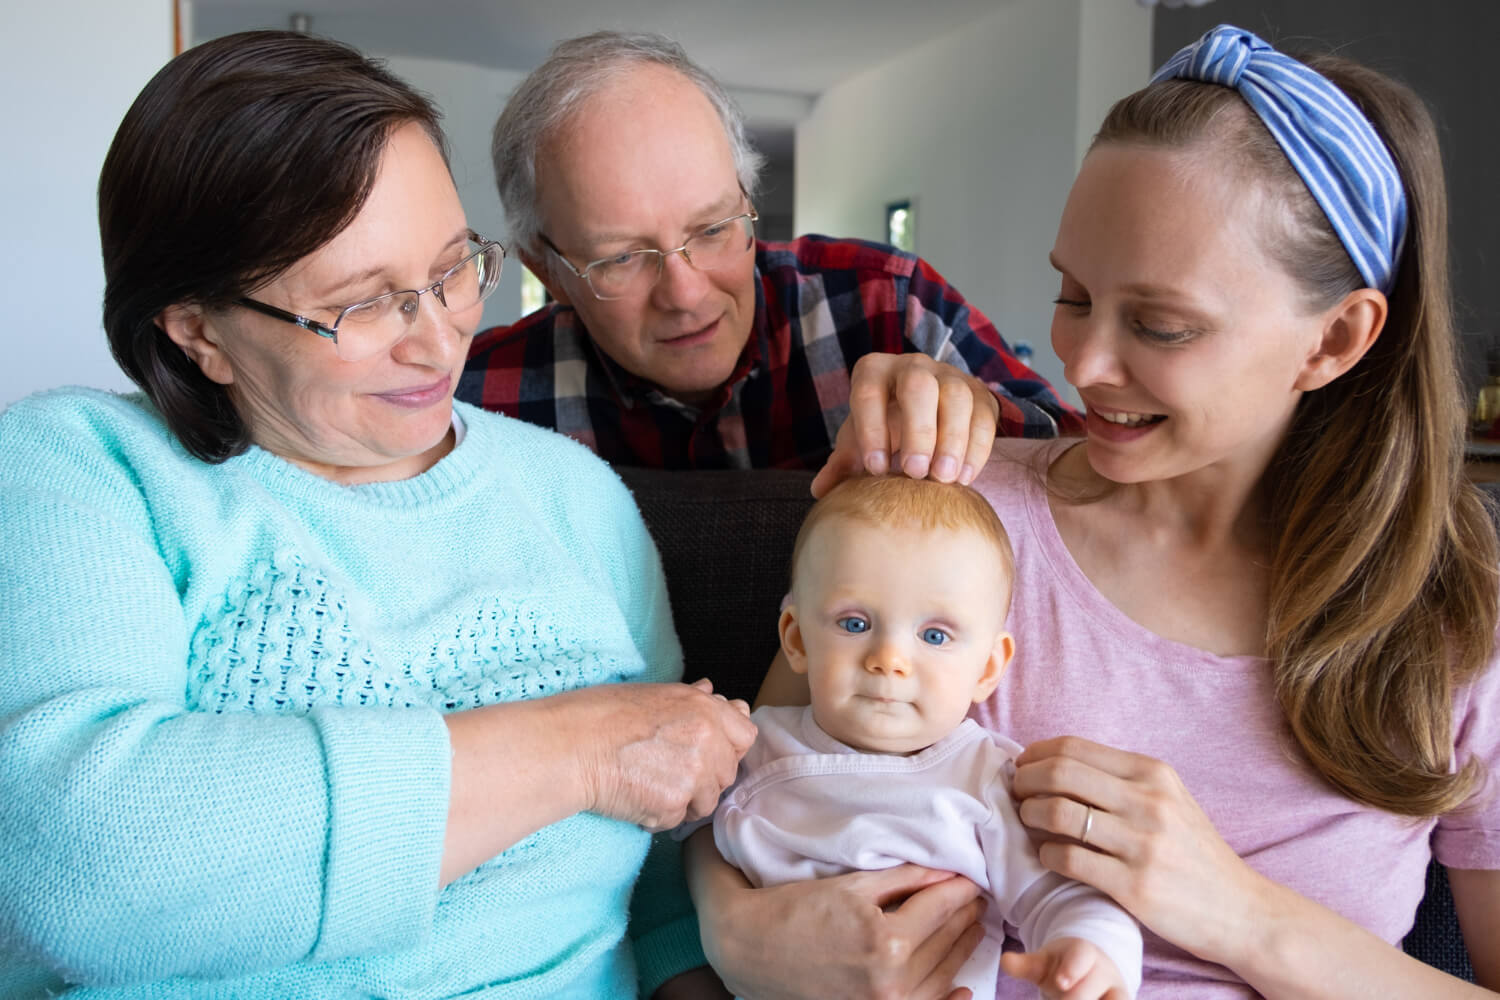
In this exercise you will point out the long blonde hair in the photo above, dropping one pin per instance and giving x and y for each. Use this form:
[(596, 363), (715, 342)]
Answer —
[(1385, 574)]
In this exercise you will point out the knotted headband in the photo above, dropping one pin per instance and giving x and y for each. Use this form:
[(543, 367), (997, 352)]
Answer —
[(1332, 146)]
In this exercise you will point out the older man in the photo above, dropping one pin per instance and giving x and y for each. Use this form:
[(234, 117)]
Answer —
[(676, 340)]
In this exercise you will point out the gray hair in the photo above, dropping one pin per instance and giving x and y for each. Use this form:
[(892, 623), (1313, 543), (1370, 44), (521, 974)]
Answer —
[(577, 69)]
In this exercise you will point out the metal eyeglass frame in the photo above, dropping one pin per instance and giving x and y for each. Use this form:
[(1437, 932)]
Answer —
[(332, 332), (661, 255)]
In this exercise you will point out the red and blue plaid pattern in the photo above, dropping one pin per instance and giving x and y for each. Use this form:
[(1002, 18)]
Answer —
[(820, 305)]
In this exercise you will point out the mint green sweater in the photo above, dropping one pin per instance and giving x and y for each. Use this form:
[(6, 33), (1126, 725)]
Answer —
[(223, 766)]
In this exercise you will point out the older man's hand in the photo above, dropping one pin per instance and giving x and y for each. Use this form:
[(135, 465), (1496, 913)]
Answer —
[(911, 414), (657, 755)]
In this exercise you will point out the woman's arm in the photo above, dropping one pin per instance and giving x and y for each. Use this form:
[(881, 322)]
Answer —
[(902, 932), (1151, 847), (1476, 897), (655, 755), (1310, 951)]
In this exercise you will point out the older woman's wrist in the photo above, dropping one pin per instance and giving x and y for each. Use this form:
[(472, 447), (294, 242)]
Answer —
[(576, 734), (518, 753)]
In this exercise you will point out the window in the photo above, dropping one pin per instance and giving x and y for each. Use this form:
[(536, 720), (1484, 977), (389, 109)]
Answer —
[(901, 225), (533, 292)]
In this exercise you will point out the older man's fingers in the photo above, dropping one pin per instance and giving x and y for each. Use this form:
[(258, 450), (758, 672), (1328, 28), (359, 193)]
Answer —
[(870, 396)]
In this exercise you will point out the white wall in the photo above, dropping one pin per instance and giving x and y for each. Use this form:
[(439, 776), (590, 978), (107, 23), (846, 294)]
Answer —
[(471, 98), (69, 88), (982, 130), (1114, 59), (49, 175)]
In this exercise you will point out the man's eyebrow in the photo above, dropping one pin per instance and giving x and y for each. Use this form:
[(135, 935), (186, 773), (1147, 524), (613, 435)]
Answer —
[(706, 216), (722, 207)]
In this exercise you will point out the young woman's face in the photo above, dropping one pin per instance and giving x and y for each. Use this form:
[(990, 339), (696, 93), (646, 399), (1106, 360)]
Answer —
[(1184, 337)]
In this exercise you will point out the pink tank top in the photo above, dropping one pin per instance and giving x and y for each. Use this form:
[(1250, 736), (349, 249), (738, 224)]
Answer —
[(1083, 668)]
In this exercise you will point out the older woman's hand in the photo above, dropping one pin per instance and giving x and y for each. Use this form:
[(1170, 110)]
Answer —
[(1148, 844), (657, 755)]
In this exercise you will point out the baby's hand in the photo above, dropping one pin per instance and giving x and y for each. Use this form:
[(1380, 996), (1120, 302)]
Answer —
[(1068, 969)]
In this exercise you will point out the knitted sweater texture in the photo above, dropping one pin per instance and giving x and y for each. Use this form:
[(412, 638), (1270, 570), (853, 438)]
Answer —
[(223, 766)]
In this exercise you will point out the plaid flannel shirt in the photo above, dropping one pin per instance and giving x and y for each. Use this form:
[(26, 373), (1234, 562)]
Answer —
[(820, 304)]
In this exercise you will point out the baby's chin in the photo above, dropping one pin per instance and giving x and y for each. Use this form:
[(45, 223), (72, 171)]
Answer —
[(895, 745), (895, 736)]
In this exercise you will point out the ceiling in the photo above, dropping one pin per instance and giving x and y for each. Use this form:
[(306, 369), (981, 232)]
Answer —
[(783, 46)]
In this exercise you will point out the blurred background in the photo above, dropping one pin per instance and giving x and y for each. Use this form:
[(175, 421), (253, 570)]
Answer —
[(951, 126)]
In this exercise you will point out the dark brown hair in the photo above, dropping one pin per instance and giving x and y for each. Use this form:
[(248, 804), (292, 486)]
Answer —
[(240, 157), (1384, 581)]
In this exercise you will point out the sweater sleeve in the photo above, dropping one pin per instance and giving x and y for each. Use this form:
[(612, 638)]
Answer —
[(140, 840), (663, 923)]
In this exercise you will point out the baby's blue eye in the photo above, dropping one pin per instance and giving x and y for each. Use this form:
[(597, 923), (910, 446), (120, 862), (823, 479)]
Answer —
[(853, 625), (935, 636)]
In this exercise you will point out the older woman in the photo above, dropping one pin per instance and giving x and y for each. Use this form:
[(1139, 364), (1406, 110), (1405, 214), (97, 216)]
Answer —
[(314, 682)]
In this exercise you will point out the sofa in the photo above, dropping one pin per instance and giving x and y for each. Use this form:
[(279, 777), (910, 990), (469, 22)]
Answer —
[(725, 539)]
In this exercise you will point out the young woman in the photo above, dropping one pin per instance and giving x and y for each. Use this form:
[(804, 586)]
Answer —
[(1270, 592)]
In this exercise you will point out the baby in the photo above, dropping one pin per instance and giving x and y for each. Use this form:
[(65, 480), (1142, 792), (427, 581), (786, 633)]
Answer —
[(900, 589)]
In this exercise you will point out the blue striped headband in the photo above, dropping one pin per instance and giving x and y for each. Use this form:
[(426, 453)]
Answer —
[(1332, 146)]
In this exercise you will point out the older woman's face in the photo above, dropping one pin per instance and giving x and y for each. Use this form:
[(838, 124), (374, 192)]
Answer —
[(385, 417)]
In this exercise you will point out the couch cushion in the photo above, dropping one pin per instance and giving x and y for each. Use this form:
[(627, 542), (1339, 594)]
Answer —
[(726, 544)]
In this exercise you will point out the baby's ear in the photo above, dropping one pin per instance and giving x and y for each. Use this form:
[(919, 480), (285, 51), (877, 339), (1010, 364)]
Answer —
[(994, 667), (791, 639)]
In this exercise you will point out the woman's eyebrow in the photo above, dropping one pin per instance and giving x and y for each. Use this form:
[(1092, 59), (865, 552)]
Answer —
[(331, 292), (355, 280)]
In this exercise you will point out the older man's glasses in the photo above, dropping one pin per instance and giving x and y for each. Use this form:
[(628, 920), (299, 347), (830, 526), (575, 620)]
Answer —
[(636, 272), (367, 328)]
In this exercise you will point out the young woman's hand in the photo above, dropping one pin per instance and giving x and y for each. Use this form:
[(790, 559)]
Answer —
[(897, 934), (1126, 825)]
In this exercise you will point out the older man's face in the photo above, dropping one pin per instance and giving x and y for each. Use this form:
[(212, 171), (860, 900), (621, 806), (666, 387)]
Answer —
[(645, 165)]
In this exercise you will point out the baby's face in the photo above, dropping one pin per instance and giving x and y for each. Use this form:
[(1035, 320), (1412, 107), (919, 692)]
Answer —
[(899, 629)]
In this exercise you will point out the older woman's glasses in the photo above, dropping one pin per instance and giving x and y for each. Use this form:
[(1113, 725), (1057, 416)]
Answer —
[(636, 272), (367, 328)]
